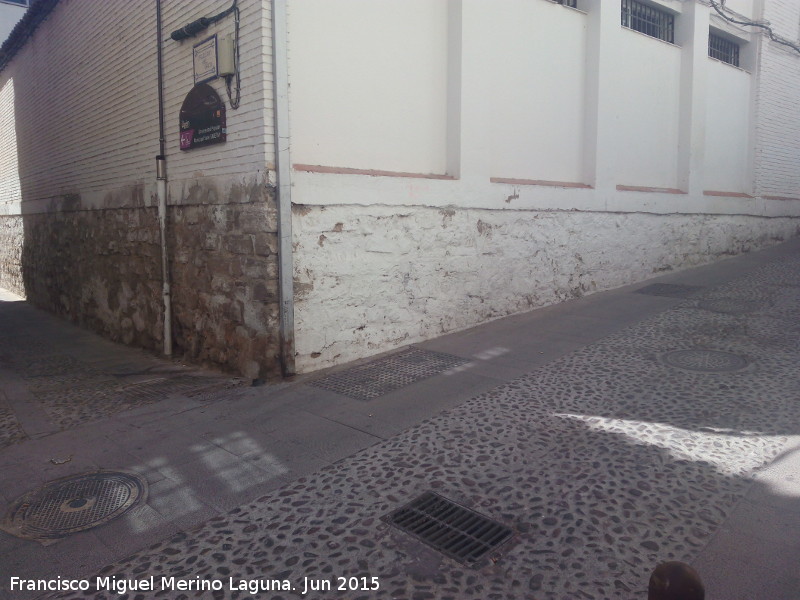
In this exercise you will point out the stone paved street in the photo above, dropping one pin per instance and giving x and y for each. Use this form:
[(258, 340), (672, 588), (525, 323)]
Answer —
[(609, 433)]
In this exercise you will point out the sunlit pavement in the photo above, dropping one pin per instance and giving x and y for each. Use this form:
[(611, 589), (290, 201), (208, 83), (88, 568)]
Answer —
[(609, 433)]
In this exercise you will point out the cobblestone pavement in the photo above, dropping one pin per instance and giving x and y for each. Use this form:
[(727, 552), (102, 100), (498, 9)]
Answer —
[(10, 430), (75, 382), (627, 452)]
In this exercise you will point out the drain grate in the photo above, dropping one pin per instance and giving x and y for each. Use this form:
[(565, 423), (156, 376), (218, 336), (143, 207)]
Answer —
[(705, 361), (385, 375), (72, 504), (730, 306), (160, 387), (456, 531), (671, 290)]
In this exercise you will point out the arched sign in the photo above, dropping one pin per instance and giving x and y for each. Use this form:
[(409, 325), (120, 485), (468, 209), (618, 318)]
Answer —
[(202, 118)]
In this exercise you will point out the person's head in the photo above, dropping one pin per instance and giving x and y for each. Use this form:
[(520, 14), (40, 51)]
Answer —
[(675, 581)]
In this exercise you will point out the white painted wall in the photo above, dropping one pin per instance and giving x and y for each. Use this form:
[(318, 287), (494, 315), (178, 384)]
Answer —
[(520, 125), (727, 144), (368, 84), (646, 84), (526, 118), (385, 261), (376, 278)]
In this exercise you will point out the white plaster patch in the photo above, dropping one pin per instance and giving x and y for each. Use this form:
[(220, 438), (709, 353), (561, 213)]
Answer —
[(383, 279)]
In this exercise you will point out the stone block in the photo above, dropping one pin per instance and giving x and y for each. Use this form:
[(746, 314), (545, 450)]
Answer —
[(266, 244), (211, 242), (256, 268), (218, 265), (239, 243), (266, 291), (233, 312)]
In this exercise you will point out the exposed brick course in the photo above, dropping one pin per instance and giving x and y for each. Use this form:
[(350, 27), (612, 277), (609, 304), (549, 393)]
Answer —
[(777, 157)]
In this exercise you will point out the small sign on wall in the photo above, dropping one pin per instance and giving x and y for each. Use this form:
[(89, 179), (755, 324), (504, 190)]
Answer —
[(202, 118), (204, 59)]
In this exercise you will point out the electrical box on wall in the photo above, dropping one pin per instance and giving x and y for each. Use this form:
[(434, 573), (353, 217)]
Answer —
[(225, 56)]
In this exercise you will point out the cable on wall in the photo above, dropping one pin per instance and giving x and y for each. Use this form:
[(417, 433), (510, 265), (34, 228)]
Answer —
[(233, 82), (720, 7), (234, 98), (195, 27)]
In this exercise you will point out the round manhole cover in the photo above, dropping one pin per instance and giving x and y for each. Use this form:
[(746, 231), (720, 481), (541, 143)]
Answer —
[(731, 306), (73, 504), (705, 361)]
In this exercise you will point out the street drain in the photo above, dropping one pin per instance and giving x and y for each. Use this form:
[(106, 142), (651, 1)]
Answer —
[(671, 290), (453, 530), (705, 361), (388, 374), (160, 387), (71, 504), (730, 306)]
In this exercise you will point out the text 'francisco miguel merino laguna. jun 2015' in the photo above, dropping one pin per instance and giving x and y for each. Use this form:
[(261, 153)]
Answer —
[(148, 584)]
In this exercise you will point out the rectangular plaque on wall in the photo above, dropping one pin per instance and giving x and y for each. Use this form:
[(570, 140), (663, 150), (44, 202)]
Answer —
[(204, 60)]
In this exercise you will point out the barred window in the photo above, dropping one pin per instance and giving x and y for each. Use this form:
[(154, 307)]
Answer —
[(648, 20), (723, 49), (570, 3)]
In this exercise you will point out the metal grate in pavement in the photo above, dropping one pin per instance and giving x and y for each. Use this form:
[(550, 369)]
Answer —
[(705, 361), (65, 506), (671, 290), (452, 529), (388, 374), (160, 387)]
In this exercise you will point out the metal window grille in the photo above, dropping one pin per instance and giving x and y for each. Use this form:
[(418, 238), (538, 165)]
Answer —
[(648, 20), (570, 3), (723, 49)]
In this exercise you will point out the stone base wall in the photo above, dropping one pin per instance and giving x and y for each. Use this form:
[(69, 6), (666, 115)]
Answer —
[(98, 268), (11, 235), (224, 272), (101, 269), (371, 278)]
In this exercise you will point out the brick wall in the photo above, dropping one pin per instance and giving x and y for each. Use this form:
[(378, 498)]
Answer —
[(777, 158), (249, 149), (78, 140)]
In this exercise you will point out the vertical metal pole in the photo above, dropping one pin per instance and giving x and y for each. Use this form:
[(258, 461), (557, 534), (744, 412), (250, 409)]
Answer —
[(161, 192), (280, 72)]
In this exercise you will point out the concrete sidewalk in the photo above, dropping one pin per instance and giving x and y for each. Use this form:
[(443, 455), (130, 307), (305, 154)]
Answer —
[(601, 430)]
